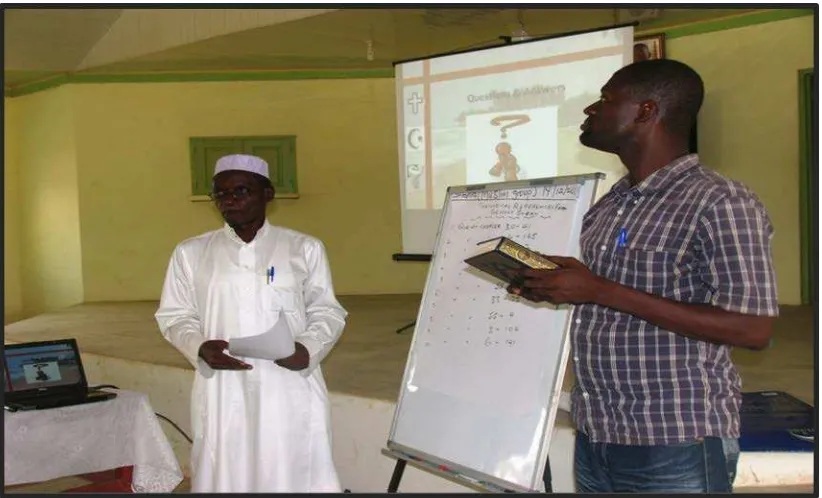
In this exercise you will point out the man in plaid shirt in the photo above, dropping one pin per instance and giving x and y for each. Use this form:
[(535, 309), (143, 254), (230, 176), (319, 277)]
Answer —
[(676, 270)]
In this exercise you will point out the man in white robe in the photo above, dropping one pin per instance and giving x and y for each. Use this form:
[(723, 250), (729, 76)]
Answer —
[(260, 425)]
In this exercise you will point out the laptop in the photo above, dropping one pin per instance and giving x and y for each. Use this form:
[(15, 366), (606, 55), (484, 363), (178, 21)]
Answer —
[(46, 374)]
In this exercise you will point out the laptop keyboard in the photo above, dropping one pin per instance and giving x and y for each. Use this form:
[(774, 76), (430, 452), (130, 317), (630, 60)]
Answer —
[(60, 401)]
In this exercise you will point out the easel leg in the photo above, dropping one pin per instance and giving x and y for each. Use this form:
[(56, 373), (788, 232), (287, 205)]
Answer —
[(395, 478), (546, 477)]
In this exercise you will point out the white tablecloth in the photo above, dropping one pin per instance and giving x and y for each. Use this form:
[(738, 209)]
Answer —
[(46, 444)]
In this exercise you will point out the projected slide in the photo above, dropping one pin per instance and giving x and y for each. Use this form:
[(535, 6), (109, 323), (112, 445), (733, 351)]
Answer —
[(515, 143), (500, 114)]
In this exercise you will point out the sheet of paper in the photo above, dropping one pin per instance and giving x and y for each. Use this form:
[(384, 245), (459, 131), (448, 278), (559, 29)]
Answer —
[(274, 344)]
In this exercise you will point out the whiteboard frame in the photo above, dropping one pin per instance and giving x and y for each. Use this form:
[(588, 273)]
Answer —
[(466, 476)]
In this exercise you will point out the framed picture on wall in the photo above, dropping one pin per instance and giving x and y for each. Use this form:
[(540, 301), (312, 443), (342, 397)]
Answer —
[(649, 47)]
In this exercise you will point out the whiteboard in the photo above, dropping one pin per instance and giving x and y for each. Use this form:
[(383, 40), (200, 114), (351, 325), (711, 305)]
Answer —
[(485, 368)]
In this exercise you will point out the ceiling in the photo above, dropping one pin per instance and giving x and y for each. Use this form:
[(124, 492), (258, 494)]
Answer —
[(48, 42)]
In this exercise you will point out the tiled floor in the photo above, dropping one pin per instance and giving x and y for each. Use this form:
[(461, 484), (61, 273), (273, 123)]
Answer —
[(370, 357)]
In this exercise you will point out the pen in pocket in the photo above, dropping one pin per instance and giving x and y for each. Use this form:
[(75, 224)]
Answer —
[(622, 239)]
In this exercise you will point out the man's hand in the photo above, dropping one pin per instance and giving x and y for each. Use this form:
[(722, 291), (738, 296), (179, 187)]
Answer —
[(571, 283), (212, 352), (297, 361)]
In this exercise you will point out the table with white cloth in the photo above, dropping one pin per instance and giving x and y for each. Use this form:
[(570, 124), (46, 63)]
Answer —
[(123, 432)]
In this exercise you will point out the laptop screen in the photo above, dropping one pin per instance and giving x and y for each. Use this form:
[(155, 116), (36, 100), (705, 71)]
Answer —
[(38, 366)]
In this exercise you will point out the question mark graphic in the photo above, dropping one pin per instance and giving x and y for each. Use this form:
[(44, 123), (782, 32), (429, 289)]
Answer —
[(517, 120)]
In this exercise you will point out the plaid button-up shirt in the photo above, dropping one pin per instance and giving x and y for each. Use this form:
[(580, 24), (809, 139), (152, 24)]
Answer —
[(693, 236)]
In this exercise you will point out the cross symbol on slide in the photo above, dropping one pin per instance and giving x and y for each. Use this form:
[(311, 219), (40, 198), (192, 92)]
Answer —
[(415, 102)]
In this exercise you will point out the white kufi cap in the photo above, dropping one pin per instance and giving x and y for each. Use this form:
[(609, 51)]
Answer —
[(241, 162)]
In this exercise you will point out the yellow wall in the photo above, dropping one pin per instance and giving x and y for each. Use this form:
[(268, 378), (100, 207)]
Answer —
[(106, 166), (134, 176), (12, 290), (50, 266), (749, 124)]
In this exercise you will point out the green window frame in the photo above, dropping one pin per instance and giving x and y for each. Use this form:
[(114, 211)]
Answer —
[(280, 152)]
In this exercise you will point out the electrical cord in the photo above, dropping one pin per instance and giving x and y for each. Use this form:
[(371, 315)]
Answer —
[(175, 426), (159, 415)]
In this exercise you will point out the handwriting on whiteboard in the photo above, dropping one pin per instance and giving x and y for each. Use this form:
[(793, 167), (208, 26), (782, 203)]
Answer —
[(544, 192), (468, 315)]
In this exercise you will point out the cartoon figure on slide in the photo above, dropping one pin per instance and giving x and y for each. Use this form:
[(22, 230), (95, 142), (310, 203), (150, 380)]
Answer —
[(506, 161), (506, 164)]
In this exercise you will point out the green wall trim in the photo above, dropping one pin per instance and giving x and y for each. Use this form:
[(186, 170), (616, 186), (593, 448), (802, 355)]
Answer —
[(671, 32), (233, 76), (740, 21), (39, 86)]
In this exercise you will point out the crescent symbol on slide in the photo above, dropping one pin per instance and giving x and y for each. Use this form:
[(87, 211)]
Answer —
[(414, 136)]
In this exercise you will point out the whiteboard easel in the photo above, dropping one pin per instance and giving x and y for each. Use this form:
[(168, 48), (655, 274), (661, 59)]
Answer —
[(484, 373)]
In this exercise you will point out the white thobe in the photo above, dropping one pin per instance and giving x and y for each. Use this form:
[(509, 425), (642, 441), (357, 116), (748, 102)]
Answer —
[(265, 429)]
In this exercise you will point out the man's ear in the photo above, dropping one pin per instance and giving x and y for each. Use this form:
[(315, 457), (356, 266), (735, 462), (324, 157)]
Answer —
[(648, 111), (269, 194)]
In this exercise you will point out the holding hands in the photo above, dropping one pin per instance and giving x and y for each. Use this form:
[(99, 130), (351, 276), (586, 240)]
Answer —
[(213, 353)]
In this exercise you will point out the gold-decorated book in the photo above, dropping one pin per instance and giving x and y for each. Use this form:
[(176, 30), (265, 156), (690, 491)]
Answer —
[(503, 258)]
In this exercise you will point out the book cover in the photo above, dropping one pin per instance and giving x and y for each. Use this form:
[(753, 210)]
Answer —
[(503, 258)]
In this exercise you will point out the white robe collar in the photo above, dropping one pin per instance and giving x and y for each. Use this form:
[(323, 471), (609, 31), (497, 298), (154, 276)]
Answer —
[(232, 235)]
